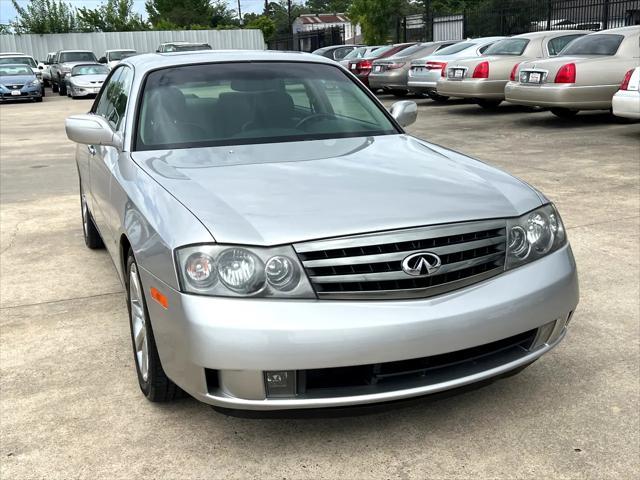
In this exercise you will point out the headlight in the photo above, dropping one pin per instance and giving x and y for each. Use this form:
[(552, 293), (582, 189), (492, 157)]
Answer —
[(35, 83), (534, 235), (238, 271)]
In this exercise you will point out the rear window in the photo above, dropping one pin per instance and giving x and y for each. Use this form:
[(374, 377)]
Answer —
[(77, 57), (600, 44), (557, 44), (359, 52), (410, 50), (379, 51), (18, 60), (508, 46), (455, 48), (250, 103)]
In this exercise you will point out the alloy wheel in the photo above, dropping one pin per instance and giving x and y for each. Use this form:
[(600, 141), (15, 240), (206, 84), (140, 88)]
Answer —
[(138, 323)]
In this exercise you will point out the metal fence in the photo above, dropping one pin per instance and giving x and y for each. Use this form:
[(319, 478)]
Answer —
[(511, 17), (39, 45), (308, 41)]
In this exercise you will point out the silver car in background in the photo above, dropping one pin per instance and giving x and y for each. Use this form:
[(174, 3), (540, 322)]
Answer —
[(285, 244), (392, 73), (424, 73), (483, 79), (85, 79), (358, 53), (584, 76)]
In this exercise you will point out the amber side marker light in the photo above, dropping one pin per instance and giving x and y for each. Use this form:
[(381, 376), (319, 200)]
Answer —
[(159, 297)]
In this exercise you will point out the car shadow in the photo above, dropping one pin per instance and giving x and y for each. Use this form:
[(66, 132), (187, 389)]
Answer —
[(581, 120), (503, 109)]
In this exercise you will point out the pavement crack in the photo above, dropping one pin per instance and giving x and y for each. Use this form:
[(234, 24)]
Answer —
[(10, 307), (13, 236)]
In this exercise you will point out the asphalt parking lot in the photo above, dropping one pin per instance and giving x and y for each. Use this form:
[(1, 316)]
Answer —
[(70, 404)]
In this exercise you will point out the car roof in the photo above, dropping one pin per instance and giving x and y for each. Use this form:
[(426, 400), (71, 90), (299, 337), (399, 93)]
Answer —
[(151, 61), (74, 51), (120, 50), (629, 30), (14, 54), (546, 33)]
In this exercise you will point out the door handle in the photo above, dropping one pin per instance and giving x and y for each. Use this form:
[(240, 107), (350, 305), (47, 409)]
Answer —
[(92, 150)]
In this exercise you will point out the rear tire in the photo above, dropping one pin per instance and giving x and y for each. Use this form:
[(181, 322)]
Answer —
[(399, 93), (38, 99), (489, 104), (154, 383), (564, 112), (63, 90), (54, 87), (92, 238), (437, 97)]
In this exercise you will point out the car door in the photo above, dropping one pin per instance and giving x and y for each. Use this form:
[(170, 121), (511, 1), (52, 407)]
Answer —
[(103, 158)]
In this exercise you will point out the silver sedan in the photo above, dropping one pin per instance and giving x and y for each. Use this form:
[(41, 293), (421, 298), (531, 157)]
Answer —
[(285, 244), (85, 79)]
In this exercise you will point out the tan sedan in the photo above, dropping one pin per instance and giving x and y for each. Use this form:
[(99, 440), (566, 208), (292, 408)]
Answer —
[(484, 78), (585, 76)]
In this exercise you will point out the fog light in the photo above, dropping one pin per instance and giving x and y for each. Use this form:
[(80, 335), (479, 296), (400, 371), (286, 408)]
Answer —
[(280, 383), (542, 337)]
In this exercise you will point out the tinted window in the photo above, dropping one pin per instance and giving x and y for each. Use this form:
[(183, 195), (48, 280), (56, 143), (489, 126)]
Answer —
[(18, 60), (340, 53), (112, 103), (119, 55), (508, 46), (411, 50), (378, 52), (357, 53), (600, 44), (557, 44), (186, 48), (77, 57), (244, 103), (455, 48)]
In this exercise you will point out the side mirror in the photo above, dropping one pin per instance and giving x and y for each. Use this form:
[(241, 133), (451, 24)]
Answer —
[(102, 60), (41, 66), (405, 112), (91, 130)]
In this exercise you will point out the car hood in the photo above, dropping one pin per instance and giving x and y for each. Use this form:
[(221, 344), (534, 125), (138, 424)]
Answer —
[(88, 79), (16, 79), (288, 192)]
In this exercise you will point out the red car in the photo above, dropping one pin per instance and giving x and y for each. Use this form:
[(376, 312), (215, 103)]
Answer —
[(361, 67)]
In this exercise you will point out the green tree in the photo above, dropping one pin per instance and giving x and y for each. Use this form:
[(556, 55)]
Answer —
[(376, 17), (111, 16), (278, 12), (5, 29), (181, 13), (328, 6), (222, 16), (44, 16), (263, 23)]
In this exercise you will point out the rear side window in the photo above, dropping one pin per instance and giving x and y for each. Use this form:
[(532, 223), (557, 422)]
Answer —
[(508, 46), (598, 44), (557, 44)]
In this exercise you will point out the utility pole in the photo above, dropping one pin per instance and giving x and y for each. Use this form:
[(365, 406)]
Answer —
[(289, 16), (239, 12), (266, 7)]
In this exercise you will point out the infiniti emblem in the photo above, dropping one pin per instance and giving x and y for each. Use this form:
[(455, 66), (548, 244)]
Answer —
[(421, 264)]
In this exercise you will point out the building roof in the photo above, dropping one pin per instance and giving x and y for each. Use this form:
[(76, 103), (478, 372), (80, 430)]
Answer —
[(320, 18)]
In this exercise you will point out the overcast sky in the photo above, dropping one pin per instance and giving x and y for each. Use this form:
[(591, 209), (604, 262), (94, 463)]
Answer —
[(8, 13)]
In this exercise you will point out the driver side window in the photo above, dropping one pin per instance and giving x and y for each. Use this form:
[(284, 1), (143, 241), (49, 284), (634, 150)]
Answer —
[(112, 104)]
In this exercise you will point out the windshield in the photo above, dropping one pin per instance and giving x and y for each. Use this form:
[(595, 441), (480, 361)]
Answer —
[(119, 55), (455, 48), (14, 70), (77, 57), (248, 103), (600, 44), (508, 46), (89, 70), (187, 48), (18, 60)]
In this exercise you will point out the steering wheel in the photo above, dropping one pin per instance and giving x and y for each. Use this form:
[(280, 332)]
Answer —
[(314, 118)]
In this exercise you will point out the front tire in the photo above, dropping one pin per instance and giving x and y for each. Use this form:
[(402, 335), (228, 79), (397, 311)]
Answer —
[(92, 237), (63, 90), (564, 112), (154, 383), (54, 87)]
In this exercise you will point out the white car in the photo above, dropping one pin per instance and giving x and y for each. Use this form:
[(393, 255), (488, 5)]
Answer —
[(113, 57), (626, 102), (24, 59), (46, 71)]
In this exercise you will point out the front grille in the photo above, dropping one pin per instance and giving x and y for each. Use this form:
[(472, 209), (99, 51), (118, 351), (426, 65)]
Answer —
[(370, 266), (374, 378)]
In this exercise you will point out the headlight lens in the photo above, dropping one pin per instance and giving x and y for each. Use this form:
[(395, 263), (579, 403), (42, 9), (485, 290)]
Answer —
[(35, 83), (534, 235), (234, 271)]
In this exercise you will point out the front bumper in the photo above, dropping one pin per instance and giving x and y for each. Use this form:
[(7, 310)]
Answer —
[(593, 97), (81, 91), (240, 339), (25, 94), (626, 103), (472, 88)]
